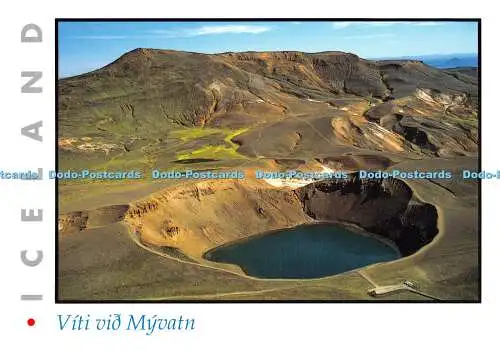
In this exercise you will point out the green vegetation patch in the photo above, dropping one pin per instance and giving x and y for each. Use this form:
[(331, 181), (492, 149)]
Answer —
[(220, 152), (187, 134), (234, 133), (227, 151), (194, 133)]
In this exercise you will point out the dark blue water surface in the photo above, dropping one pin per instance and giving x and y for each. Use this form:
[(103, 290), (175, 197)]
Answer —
[(309, 251)]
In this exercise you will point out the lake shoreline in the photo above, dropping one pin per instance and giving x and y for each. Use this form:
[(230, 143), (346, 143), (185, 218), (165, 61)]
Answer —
[(345, 225)]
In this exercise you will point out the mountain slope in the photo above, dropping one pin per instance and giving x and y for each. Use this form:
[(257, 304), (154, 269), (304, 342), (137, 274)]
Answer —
[(136, 102)]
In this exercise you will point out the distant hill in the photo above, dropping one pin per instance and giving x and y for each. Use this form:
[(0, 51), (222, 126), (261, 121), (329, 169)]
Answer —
[(149, 86), (446, 61), (458, 72), (234, 106)]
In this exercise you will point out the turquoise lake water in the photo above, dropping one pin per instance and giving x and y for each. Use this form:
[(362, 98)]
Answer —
[(309, 251)]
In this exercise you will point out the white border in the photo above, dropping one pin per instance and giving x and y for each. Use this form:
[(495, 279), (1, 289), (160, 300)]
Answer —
[(220, 326)]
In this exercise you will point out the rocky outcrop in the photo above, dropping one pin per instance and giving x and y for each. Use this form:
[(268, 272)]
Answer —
[(445, 136), (447, 101), (73, 221), (169, 229), (99, 217)]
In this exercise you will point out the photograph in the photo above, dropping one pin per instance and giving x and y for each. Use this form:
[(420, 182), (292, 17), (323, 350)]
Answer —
[(267, 160)]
